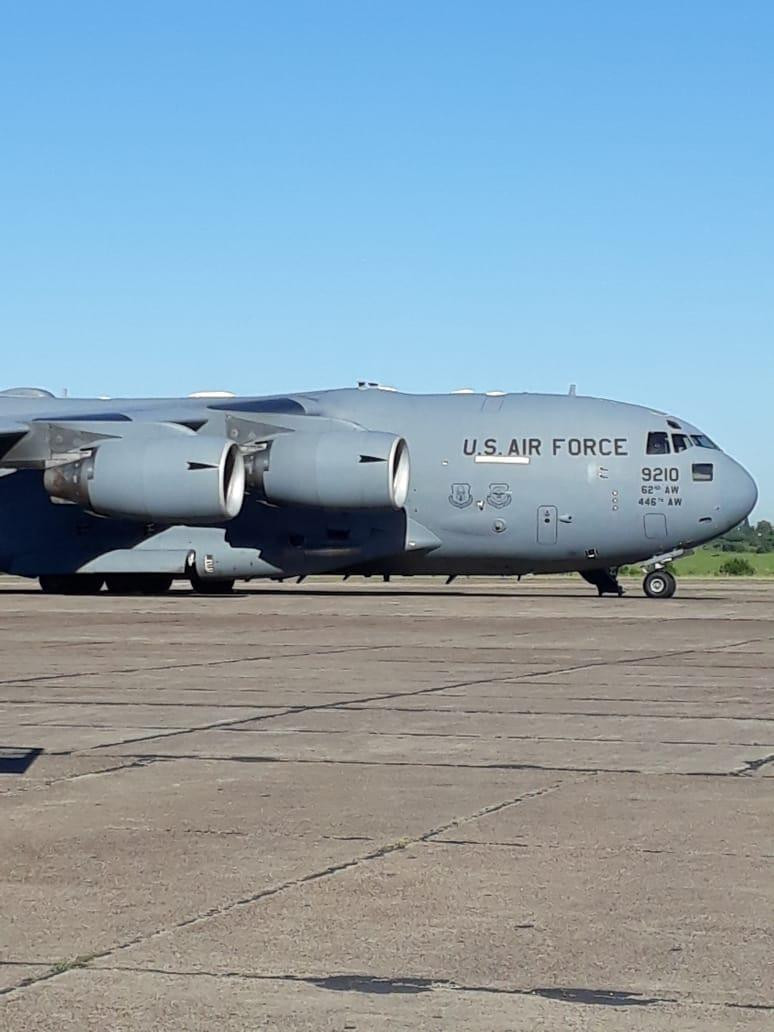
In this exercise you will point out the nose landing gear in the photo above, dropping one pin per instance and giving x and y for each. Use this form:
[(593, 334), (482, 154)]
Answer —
[(659, 584)]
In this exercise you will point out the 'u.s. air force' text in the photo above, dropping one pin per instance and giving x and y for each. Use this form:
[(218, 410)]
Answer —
[(529, 446)]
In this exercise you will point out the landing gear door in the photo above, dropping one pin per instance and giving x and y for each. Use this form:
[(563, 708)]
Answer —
[(547, 519)]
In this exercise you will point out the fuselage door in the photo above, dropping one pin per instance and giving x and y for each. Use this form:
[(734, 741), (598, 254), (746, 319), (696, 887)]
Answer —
[(655, 526), (547, 524)]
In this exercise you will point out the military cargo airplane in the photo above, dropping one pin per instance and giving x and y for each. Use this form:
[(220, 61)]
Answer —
[(133, 493)]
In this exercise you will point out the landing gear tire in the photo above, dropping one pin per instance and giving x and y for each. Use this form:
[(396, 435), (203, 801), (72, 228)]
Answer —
[(138, 583), (70, 583), (659, 584), (212, 585)]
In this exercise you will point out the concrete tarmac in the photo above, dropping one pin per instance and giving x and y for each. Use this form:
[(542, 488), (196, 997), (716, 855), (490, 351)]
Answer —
[(375, 807)]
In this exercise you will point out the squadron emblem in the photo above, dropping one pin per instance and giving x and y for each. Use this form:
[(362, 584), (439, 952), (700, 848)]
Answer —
[(499, 496), (460, 496)]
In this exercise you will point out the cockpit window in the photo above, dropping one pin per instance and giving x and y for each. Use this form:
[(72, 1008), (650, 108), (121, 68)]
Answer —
[(702, 441), (703, 471), (658, 443), (680, 442)]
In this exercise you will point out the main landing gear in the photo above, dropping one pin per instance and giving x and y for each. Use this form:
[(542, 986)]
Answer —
[(138, 583), (128, 584), (212, 585), (71, 583), (659, 584), (605, 581), (116, 583)]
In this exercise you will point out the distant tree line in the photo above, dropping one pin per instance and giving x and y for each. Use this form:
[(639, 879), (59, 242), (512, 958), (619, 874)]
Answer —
[(747, 537)]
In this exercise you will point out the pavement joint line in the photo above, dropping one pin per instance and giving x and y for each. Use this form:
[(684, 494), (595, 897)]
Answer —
[(476, 737), (288, 711), (356, 648), (628, 660), (562, 713), (393, 695), (598, 850), (137, 763), (360, 983), (194, 666), (386, 849), (407, 984), (212, 758), (357, 707)]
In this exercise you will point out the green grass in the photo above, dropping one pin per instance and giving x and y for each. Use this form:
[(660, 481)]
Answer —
[(706, 562)]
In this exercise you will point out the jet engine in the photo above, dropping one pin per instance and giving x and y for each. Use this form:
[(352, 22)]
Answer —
[(357, 469), (179, 478)]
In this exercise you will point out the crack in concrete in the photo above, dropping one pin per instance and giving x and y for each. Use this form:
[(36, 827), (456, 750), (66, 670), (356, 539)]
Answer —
[(751, 766)]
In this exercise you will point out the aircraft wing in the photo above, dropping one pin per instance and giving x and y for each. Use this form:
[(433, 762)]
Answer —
[(36, 430)]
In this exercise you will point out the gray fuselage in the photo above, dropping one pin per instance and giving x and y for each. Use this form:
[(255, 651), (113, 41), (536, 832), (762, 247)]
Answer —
[(511, 483)]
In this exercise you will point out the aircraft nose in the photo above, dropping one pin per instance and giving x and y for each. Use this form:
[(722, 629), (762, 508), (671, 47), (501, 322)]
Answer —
[(740, 493)]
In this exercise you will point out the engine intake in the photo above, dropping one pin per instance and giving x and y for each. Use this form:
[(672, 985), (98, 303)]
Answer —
[(357, 469), (185, 478)]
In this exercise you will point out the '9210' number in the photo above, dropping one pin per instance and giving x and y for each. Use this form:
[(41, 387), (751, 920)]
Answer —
[(662, 474)]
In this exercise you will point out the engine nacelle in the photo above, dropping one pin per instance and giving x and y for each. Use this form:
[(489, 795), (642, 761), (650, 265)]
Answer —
[(357, 469), (180, 478)]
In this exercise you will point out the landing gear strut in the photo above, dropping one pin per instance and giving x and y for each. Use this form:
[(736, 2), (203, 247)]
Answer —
[(659, 584), (605, 581)]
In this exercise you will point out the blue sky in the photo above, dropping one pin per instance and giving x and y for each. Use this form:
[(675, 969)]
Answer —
[(281, 196)]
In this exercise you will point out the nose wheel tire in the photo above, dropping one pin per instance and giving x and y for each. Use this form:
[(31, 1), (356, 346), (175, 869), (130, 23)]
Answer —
[(659, 584), (212, 585)]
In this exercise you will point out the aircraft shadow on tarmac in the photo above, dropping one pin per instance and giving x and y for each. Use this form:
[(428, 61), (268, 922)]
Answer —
[(380, 592), (17, 759), (417, 593)]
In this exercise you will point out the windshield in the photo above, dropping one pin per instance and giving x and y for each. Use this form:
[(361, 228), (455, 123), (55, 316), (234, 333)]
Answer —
[(702, 441), (658, 443)]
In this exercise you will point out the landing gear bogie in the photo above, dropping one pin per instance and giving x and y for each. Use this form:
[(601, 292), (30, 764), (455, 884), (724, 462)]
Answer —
[(138, 583), (70, 583), (212, 585)]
